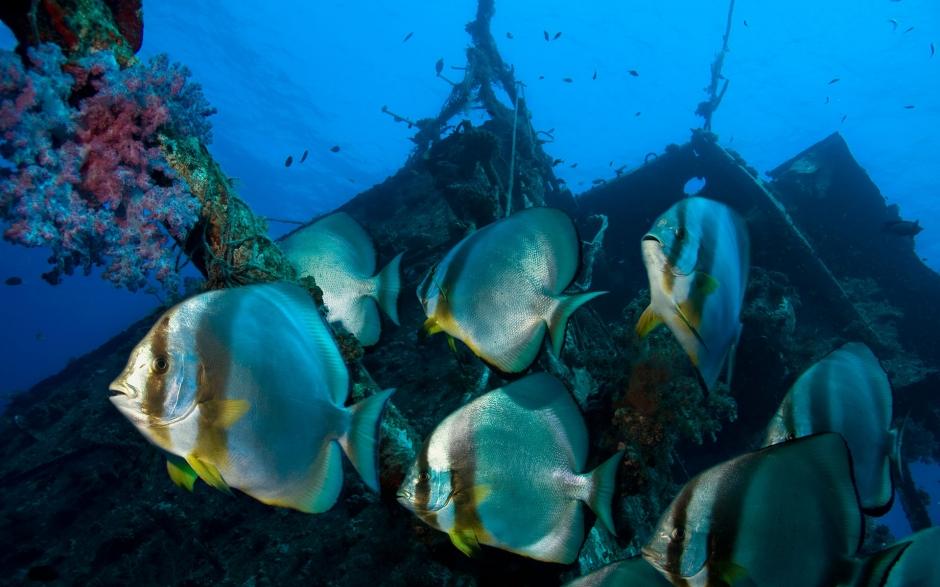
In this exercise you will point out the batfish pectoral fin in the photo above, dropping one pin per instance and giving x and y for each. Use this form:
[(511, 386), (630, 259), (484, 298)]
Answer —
[(465, 540), (735, 575), (705, 283), (429, 328), (208, 473), (451, 344), (224, 412), (180, 472), (648, 322)]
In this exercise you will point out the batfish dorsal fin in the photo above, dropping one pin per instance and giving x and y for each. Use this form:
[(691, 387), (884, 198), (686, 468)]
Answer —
[(305, 312)]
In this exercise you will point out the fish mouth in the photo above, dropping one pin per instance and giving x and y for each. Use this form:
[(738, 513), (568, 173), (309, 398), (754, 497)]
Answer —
[(121, 388), (650, 237), (654, 558)]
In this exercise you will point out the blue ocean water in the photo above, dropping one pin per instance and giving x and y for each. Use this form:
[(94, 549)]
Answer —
[(287, 78)]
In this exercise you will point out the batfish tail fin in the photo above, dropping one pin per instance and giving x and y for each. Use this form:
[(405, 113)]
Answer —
[(603, 484), (361, 440), (564, 307), (387, 284)]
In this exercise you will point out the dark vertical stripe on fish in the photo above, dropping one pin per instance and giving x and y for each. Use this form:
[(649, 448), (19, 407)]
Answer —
[(214, 353), (680, 519), (730, 495), (155, 393)]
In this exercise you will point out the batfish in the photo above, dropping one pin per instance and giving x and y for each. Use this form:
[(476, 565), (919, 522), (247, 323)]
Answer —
[(697, 260), (339, 255), (246, 388), (782, 516), (500, 288), (508, 470), (846, 392), (634, 572)]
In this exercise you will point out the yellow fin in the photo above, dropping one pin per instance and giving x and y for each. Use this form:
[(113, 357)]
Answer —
[(452, 344), (465, 541), (208, 473), (224, 412), (479, 493), (180, 473), (648, 322), (429, 327), (706, 283), (735, 575)]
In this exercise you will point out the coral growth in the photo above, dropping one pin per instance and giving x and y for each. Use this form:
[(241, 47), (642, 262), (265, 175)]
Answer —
[(85, 174)]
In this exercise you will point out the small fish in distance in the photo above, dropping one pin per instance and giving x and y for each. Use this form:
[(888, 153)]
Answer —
[(844, 116), (574, 165), (558, 34), (908, 29), (509, 35), (908, 106), (932, 50), (833, 81), (557, 162), (637, 113), (745, 22), (902, 227), (14, 280), (304, 156), (595, 75), (439, 66), (408, 36), (634, 73), (334, 149), (894, 24), (545, 34), (541, 77), (567, 80), (288, 161)]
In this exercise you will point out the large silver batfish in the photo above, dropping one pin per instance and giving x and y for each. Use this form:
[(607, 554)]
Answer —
[(500, 288), (782, 516), (507, 470), (246, 388), (697, 260), (339, 255), (846, 392)]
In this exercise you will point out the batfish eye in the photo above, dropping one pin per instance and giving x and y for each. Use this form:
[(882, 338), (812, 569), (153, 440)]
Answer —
[(160, 364), (424, 476), (680, 233), (678, 533)]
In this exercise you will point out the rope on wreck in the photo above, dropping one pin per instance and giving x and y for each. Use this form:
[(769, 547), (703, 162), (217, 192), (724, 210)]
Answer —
[(512, 158), (707, 108)]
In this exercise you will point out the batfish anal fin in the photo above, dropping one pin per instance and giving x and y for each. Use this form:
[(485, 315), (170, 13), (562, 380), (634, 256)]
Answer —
[(208, 473), (180, 472), (451, 344), (224, 412), (466, 541), (648, 322)]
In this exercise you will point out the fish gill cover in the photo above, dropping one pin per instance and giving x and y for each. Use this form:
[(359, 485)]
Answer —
[(88, 500)]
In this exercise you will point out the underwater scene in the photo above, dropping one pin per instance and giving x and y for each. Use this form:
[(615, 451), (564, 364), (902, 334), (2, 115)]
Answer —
[(469, 293)]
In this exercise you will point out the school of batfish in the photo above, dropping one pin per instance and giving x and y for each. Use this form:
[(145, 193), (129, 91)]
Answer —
[(246, 388)]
